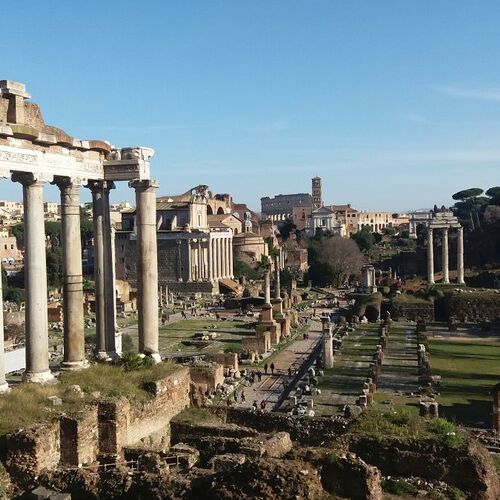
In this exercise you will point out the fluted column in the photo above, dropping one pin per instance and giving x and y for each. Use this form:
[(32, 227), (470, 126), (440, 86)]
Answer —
[(35, 278), (147, 267), (4, 386), (219, 261), (444, 249), (224, 258), (74, 340), (460, 255), (430, 256)]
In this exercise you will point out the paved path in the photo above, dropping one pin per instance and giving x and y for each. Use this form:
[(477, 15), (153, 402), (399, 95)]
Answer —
[(399, 369), (271, 386)]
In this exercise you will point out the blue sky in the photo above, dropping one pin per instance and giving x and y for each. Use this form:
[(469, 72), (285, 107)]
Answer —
[(395, 104)]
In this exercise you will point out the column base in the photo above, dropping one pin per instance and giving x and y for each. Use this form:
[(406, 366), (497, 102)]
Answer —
[(107, 356), (4, 388), (71, 366), (155, 356), (38, 378)]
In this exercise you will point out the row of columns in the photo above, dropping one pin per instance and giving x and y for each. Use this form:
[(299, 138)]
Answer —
[(445, 256), (36, 316), (220, 258)]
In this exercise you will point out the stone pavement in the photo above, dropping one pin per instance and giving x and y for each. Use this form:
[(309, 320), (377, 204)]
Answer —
[(399, 372), (271, 386)]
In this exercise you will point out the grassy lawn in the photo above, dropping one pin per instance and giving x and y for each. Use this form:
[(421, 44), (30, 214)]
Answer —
[(468, 369), (343, 383), (180, 336)]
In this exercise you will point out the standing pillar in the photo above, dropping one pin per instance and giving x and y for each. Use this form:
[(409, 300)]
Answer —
[(267, 287), (74, 340), (231, 263), (210, 259), (4, 387), (35, 279), (200, 260), (444, 248), (460, 255), (219, 258), (109, 274), (147, 267), (226, 256), (277, 282), (96, 188), (430, 256)]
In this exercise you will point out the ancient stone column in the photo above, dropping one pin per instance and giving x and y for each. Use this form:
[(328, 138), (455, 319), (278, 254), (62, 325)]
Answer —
[(328, 348), (430, 256), (4, 387), (228, 258), (219, 258), (277, 282), (74, 341), (460, 255), (210, 259), (35, 279), (200, 260), (147, 267), (231, 256), (444, 248), (96, 188), (109, 273), (267, 287)]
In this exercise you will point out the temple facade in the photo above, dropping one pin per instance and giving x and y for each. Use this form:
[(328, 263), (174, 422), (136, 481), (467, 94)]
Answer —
[(33, 154)]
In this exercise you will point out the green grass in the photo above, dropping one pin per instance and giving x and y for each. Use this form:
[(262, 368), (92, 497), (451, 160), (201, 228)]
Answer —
[(27, 404), (195, 416), (404, 423), (468, 370)]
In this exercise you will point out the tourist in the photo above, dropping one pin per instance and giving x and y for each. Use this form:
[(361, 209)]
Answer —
[(252, 376), (263, 405), (290, 371), (235, 396), (243, 398), (254, 406), (272, 368), (265, 368), (259, 375)]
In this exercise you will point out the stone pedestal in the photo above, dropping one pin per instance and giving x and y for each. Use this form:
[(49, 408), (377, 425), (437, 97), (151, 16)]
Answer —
[(35, 276), (74, 342), (147, 267)]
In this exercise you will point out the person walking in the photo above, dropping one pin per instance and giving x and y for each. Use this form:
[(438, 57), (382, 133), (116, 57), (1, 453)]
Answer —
[(259, 375), (243, 397), (263, 405), (290, 371), (254, 406), (235, 396), (265, 368), (272, 368)]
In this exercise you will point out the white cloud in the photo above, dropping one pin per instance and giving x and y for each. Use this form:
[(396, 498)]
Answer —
[(482, 94)]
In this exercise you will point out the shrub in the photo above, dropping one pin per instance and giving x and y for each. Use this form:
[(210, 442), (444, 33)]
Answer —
[(131, 361)]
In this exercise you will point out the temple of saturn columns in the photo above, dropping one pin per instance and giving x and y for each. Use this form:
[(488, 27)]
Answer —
[(33, 154), (445, 221)]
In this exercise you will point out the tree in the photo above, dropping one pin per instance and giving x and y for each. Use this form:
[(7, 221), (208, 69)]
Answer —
[(494, 194), (467, 194), (338, 258), (364, 239), (469, 205), (286, 228), (54, 267)]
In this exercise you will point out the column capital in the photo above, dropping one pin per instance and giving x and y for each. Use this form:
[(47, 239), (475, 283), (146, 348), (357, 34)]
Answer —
[(65, 182), (144, 185), (30, 178), (99, 185)]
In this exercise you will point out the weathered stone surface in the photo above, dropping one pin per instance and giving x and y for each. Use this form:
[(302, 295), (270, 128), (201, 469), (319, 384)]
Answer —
[(227, 462), (350, 477), (278, 445)]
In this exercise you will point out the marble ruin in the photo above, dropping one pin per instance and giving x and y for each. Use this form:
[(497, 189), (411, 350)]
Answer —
[(33, 153), (445, 221)]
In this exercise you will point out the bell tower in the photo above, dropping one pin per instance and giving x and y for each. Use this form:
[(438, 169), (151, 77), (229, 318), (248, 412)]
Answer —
[(316, 192)]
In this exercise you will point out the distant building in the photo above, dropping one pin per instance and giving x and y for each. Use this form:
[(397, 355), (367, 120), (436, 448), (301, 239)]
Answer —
[(194, 248), (324, 219), (280, 207)]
